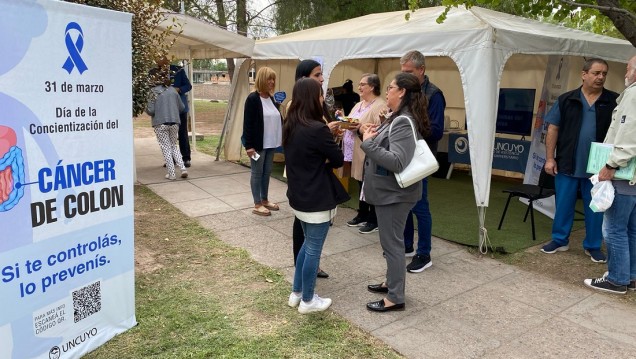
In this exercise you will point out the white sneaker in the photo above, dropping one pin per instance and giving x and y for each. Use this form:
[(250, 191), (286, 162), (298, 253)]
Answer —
[(315, 305), (294, 299), (184, 174), (172, 178)]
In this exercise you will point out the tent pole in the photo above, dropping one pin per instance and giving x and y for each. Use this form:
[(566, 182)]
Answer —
[(191, 100), (235, 79)]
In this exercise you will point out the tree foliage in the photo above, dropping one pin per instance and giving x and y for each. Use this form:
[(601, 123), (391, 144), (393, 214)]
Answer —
[(247, 18), (240, 16), (601, 16), (209, 64), (146, 45), (295, 15)]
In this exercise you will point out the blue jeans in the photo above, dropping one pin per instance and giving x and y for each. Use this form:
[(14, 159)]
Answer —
[(261, 170), (424, 224), (309, 259), (619, 230), (566, 195)]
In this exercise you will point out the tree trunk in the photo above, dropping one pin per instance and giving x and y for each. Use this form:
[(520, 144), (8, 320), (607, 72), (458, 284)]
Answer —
[(220, 9), (241, 28), (241, 17), (623, 22)]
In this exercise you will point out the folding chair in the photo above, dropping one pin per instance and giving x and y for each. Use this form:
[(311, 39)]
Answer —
[(544, 189)]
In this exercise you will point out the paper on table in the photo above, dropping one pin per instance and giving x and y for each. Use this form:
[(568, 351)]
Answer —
[(599, 153)]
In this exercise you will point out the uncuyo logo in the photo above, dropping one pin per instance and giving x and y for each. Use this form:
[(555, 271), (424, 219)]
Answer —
[(80, 339), (54, 353), (461, 145)]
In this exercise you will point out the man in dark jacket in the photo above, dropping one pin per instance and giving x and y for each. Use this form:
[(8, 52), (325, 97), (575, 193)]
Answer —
[(413, 62), (577, 119)]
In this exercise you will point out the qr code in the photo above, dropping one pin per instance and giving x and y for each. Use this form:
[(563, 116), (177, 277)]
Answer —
[(87, 301)]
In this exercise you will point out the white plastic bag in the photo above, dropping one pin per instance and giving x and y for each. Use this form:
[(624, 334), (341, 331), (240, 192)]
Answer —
[(602, 194)]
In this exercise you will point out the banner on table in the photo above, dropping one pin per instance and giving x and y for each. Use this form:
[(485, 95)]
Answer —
[(556, 79), (508, 154), (66, 179)]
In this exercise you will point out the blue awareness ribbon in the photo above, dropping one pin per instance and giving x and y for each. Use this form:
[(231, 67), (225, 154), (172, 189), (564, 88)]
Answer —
[(74, 48)]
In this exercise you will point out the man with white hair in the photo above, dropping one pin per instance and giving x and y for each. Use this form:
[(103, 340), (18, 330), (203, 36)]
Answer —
[(619, 221)]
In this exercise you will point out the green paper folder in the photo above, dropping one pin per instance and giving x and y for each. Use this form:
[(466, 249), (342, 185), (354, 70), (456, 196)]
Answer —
[(599, 153)]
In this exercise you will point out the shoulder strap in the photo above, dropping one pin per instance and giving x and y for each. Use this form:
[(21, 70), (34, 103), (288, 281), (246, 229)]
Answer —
[(410, 123)]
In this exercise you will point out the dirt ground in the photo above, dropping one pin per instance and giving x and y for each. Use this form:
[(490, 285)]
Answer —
[(570, 267)]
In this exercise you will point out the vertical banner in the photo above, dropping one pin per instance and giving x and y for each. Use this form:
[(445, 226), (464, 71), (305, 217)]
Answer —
[(66, 179), (556, 79)]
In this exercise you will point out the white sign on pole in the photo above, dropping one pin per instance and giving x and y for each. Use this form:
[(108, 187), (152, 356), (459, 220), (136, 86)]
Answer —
[(66, 179), (556, 78)]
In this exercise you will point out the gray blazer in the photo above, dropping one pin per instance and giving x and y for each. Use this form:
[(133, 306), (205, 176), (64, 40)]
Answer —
[(384, 156)]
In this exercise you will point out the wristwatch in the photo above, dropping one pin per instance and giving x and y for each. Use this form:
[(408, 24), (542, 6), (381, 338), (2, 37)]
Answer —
[(610, 167)]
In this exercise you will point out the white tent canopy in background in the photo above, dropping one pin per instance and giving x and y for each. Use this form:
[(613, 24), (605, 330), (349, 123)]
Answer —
[(202, 40), (197, 39), (477, 41)]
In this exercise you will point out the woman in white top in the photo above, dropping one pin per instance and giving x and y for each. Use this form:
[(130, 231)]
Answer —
[(262, 134)]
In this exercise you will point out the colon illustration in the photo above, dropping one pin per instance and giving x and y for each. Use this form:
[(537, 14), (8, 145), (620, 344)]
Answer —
[(11, 170)]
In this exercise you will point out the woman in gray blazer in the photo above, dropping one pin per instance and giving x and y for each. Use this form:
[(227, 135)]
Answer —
[(385, 155)]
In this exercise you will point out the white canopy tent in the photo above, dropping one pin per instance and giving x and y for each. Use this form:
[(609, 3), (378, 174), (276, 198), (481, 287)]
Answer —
[(197, 39), (202, 40), (467, 57)]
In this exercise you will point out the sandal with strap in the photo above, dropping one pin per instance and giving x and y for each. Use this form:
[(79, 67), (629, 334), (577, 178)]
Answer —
[(271, 206), (261, 211)]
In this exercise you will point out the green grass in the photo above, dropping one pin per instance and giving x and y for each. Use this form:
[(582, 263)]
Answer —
[(197, 297), (209, 144), (206, 105)]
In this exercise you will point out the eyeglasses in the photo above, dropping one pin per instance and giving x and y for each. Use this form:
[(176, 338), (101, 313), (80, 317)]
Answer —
[(362, 84), (388, 88)]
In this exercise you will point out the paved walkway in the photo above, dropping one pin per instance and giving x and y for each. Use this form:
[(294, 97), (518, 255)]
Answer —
[(464, 306)]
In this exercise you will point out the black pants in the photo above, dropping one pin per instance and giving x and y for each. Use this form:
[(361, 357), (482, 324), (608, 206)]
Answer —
[(184, 143), (366, 211)]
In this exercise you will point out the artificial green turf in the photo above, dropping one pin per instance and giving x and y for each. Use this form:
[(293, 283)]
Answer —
[(455, 216)]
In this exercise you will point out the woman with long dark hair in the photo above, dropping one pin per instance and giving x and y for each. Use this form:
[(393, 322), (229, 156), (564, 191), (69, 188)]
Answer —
[(310, 69), (313, 190), (389, 148)]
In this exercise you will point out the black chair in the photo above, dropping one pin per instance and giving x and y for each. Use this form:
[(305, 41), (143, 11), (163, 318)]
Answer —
[(544, 189)]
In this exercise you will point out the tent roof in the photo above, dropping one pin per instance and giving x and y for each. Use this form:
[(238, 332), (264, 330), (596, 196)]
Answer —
[(202, 40), (388, 34)]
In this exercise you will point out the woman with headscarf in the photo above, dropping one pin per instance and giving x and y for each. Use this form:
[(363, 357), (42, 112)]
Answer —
[(313, 190), (262, 132), (389, 148)]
